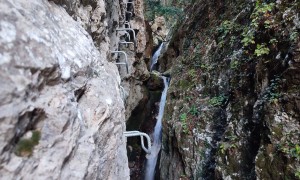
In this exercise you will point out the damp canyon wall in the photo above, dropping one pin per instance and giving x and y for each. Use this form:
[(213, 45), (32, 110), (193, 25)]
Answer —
[(233, 104)]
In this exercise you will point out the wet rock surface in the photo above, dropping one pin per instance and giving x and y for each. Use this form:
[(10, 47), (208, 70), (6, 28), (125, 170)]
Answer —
[(233, 105)]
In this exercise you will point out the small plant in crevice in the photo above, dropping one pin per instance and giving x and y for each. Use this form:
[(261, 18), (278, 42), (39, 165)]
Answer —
[(217, 100), (192, 73), (183, 119), (273, 41), (248, 37), (225, 28), (188, 98), (207, 144), (229, 143), (234, 64), (271, 93), (233, 39), (226, 146), (274, 96), (294, 36), (262, 13), (295, 151), (206, 67), (188, 119), (261, 49), (222, 148), (297, 173), (194, 110), (290, 149), (25, 146)]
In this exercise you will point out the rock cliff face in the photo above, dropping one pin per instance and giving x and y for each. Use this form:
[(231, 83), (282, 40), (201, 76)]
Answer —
[(61, 110), (233, 105), (133, 82)]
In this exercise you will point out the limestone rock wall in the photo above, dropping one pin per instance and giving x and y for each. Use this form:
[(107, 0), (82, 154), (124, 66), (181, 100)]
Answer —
[(61, 110), (233, 106), (133, 81)]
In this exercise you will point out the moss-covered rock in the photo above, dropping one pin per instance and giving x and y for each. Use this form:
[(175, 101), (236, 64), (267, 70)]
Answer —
[(155, 82)]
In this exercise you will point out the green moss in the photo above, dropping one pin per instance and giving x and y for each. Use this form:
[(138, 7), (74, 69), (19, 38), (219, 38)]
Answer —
[(25, 146), (36, 136)]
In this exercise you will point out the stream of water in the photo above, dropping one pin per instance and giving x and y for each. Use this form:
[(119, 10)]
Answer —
[(157, 135), (155, 56)]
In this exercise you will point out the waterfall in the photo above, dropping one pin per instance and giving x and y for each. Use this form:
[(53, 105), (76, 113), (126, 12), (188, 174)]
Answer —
[(155, 56), (157, 135)]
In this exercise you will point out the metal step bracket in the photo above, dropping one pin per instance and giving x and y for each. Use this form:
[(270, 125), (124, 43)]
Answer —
[(122, 63), (128, 29), (125, 42), (127, 23), (130, 3), (141, 134)]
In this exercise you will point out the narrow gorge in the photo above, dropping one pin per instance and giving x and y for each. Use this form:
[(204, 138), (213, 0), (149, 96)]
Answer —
[(214, 84)]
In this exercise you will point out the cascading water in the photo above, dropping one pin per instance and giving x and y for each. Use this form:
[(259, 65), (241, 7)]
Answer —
[(152, 158), (155, 56)]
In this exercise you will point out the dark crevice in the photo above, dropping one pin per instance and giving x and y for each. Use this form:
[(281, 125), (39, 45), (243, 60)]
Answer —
[(67, 158), (79, 93), (219, 126)]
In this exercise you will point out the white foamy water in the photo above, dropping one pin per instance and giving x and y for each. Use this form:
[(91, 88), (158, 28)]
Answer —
[(152, 158), (155, 56)]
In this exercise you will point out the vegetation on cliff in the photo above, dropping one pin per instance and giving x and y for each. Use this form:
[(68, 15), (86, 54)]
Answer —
[(233, 106)]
